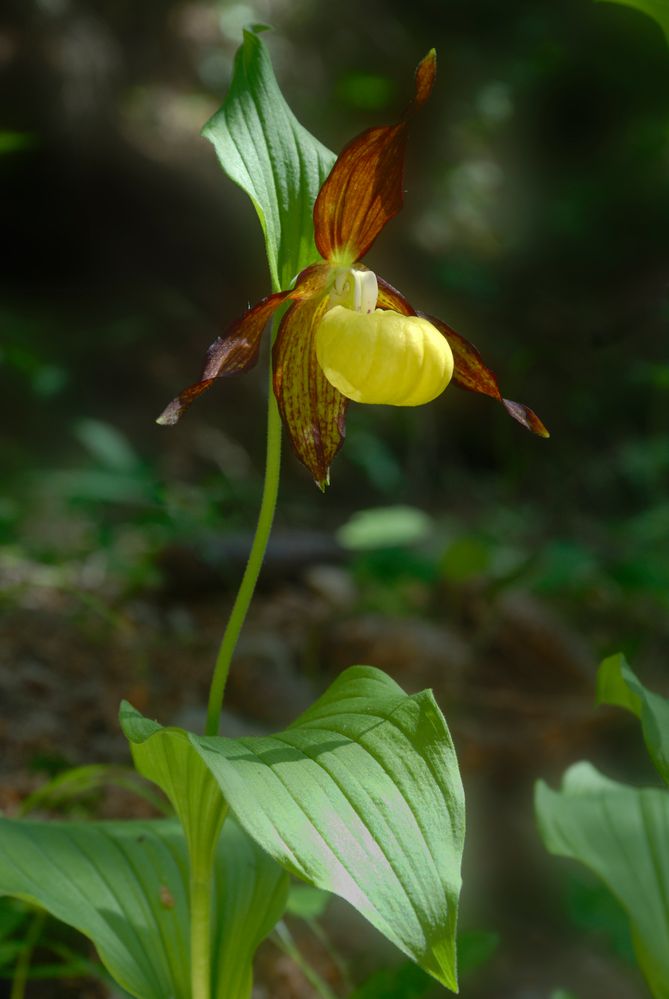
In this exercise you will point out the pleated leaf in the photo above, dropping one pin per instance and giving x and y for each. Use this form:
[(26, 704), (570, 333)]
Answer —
[(617, 684), (170, 761), (622, 835), (361, 796), (263, 148), (125, 886)]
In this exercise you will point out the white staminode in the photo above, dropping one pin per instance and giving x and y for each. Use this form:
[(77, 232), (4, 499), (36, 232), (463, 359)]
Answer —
[(355, 289)]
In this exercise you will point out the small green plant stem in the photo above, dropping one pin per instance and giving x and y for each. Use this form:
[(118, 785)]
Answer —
[(253, 566), (283, 939), (20, 978)]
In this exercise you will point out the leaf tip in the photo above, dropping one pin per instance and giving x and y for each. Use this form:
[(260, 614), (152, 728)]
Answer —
[(126, 712), (257, 28)]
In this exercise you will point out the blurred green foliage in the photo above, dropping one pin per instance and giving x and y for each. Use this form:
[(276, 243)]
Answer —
[(407, 981), (657, 9), (619, 833)]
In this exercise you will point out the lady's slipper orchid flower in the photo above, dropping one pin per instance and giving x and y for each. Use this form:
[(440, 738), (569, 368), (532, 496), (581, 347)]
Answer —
[(348, 334)]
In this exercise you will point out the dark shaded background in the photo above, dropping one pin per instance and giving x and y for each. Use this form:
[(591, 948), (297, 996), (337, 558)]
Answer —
[(535, 222)]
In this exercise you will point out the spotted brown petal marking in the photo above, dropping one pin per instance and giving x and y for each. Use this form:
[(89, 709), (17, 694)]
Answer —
[(365, 188), (473, 374), (313, 410), (391, 298), (237, 349)]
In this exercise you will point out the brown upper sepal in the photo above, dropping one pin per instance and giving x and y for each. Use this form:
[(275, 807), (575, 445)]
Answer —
[(363, 191), (365, 188)]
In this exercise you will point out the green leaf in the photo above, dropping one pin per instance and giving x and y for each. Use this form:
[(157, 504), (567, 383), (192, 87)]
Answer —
[(125, 886), (657, 9), (263, 148), (590, 907), (74, 784), (612, 685), (361, 796), (249, 900), (385, 526), (166, 757), (108, 445), (621, 834), (618, 685)]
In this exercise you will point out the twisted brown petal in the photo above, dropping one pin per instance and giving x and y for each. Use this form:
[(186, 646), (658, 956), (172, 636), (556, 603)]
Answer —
[(364, 189), (313, 410), (473, 374), (237, 349)]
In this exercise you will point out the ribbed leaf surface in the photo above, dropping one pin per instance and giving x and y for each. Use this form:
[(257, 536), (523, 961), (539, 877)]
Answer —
[(125, 886), (263, 148), (622, 835), (361, 796)]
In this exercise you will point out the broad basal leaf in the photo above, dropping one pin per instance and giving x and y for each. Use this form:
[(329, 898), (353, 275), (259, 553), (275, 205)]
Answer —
[(125, 886), (622, 835), (361, 796), (263, 148), (170, 761), (250, 897), (617, 684)]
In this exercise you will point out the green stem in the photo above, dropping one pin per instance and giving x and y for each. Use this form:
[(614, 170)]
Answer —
[(200, 932), (202, 835), (283, 939), (253, 566), (23, 964)]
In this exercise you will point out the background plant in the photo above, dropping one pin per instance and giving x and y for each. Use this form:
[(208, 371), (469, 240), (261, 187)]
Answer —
[(620, 832)]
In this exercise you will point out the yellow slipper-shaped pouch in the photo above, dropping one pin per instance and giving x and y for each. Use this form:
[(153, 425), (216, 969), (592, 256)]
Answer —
[(383, 357)]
